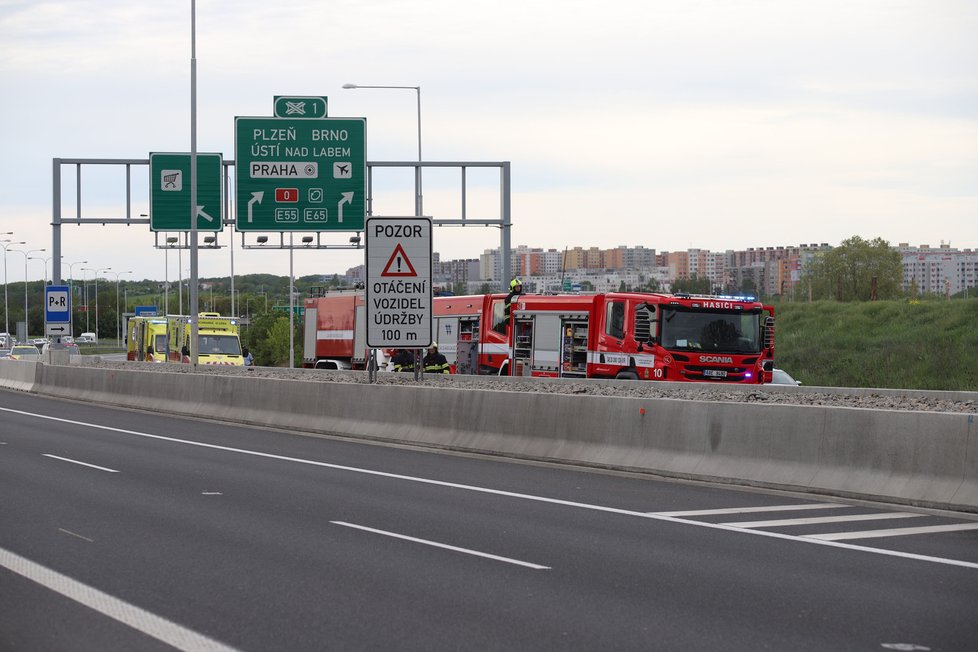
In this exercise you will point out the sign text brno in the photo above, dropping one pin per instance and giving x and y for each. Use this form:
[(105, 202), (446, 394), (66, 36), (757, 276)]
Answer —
[(296, 174), (398, 288)]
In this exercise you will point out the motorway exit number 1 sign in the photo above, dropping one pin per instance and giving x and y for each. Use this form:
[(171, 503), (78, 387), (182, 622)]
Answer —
[(300, 174)]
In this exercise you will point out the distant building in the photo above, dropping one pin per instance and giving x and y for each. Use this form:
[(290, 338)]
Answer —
[(941, 270), (767, 271)]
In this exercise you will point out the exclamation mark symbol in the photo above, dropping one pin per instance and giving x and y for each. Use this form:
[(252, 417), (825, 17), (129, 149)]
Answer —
[(398, 264)]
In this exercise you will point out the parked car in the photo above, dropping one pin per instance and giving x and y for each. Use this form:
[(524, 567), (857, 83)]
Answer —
[(71, 347), (25, 352), (86, 338), (782, 377), (39, 342), (4, 353)]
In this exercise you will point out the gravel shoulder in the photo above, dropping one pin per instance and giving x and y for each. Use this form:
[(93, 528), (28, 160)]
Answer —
[(876, 399)]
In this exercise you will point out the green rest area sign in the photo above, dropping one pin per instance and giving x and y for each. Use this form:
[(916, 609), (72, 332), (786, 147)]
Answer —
[(169, 182), (295, 174)]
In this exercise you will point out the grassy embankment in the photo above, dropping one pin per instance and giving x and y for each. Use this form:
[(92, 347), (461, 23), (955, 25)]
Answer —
[(931, 344)]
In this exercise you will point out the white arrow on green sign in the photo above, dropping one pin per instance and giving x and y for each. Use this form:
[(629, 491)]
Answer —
[(169, 182)]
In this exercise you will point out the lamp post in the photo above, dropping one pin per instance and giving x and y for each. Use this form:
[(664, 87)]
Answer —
[(45, 264), (27, 255), (417, 172), (118, 316), (170, 241), (87, 325), (6, 312), (71, 293)]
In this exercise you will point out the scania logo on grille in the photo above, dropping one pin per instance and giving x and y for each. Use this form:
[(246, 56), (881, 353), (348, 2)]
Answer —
[(725, 359)]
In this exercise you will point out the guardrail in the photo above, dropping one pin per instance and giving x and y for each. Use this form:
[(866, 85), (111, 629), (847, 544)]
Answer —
[(926, 459)]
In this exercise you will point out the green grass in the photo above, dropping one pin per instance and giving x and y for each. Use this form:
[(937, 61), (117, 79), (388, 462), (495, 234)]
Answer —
[(897, 344)]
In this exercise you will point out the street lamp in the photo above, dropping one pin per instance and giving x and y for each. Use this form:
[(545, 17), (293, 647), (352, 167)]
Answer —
[(118, 316), (6, 312), (71, 293), (417, 173), (170, 241), (45, 264), (27, 254), (87, 325)]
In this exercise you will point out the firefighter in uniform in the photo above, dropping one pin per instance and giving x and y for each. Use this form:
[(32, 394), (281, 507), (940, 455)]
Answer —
[(403, 360), (515, 289), (435, 362)]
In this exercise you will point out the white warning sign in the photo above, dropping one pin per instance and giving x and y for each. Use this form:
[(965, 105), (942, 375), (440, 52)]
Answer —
[(398, 292)]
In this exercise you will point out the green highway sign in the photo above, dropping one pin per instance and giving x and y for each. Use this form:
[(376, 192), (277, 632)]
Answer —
[(169, 183), (291, 106), (296, 174)]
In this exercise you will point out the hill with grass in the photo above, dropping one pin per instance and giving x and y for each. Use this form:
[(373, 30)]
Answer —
[(928, 344)]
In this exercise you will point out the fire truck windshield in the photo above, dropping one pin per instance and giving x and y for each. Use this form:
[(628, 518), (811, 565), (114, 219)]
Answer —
[(219, 345), (700, 330)]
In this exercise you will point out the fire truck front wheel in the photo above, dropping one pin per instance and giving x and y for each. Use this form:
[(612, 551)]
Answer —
[(626, 375)]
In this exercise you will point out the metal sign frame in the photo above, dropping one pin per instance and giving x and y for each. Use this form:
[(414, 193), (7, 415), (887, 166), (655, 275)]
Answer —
[(503, 221)]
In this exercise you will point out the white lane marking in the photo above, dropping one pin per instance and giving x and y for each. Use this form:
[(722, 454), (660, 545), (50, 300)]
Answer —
[(509, 494), (211, 493), (74, 534), (748, 510), (825, 519), (445, 546), (65, 459), (896, 532), (131, 615)]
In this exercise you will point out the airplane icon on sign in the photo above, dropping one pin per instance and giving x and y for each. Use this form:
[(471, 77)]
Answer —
[(342, 171)]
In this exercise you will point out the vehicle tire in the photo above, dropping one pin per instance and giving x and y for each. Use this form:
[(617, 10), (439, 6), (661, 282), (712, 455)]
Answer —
[(626, 375)]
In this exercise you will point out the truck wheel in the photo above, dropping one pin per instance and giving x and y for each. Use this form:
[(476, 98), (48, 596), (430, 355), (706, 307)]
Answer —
[(626, 375)]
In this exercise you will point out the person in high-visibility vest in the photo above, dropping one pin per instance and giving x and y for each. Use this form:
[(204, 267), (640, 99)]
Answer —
[(435, 362), (515, 289), (403, 360)]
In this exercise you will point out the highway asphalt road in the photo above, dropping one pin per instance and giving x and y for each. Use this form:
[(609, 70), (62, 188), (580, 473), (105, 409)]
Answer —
[(122, 530)]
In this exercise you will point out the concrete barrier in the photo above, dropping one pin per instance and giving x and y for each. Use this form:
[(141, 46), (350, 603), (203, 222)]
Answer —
[(927, 459), (18, 374)]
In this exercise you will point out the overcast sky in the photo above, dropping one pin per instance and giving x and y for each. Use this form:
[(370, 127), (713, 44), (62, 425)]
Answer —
[(668, 124)]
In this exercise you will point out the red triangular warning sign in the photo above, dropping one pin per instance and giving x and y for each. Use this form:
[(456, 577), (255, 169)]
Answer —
[(399, 264)]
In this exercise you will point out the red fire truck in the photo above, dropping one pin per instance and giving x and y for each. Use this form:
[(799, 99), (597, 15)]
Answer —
[(620, 335), (335, 331), (624, 335)]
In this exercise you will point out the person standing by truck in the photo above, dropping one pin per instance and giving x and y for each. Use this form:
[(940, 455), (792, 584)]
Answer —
[(434, 362), (403, 360)]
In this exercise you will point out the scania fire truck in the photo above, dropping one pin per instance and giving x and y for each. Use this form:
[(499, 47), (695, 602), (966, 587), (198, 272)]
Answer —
[(624, 335), (217, 339)]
